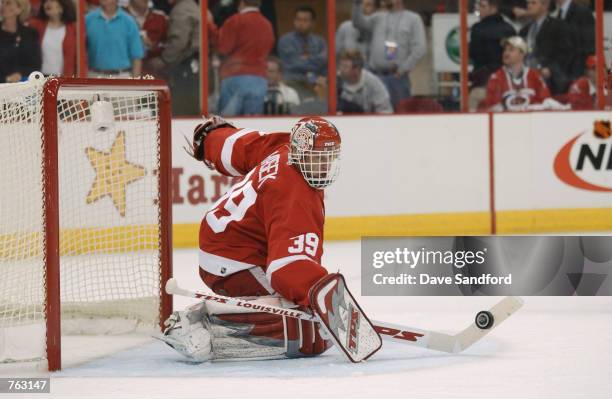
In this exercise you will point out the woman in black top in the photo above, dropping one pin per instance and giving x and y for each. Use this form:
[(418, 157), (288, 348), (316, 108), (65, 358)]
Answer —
[(19, 47)]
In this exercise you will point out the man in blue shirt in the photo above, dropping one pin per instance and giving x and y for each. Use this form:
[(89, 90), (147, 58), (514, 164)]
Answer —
[(114, 45), (304, 54)]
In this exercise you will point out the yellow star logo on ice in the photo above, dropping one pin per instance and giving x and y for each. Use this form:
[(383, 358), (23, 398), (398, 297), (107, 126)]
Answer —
[(113, 173)]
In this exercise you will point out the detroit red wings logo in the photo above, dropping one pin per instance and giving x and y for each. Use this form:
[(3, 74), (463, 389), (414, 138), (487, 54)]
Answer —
[(302, 138)]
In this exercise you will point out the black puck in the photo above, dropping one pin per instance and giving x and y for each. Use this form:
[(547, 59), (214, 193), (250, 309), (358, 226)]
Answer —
[(484, 320)]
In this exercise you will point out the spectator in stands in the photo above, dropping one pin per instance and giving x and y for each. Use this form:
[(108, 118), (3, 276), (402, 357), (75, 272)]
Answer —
[(360, 90), (485, 47), (180, 55), (244, 41), (303, 53), (162, 5), (515, 87), (58, 40), (19, 46), (582, 93), (153, 26), (114, 48), (582, 27), (349, 37), (315, 104), (280, 98), (515, 10), (398, 43), (222, 10), (550, 46)]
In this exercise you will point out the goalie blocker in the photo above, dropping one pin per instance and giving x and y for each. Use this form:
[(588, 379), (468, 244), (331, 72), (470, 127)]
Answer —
[(342, 318)]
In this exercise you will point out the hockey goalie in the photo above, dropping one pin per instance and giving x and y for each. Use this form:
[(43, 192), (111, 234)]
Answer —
[(263, 241)]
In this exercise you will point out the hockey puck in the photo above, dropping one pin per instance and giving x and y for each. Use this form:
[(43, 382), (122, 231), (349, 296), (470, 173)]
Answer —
[(484, 320)]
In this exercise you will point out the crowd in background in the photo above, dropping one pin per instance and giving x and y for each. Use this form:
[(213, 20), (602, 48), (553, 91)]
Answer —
[(545, 63), (529, 54)]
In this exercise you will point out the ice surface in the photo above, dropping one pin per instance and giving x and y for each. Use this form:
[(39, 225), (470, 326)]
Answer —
[(555, 347)]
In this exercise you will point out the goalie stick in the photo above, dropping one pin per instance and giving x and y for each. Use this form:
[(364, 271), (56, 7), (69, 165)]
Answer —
[(438, 341)]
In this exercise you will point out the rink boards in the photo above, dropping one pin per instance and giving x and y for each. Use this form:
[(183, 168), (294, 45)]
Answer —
[(440, 174)]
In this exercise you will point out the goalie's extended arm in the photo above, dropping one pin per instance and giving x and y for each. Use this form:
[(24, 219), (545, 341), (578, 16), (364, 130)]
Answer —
[(230, 150)]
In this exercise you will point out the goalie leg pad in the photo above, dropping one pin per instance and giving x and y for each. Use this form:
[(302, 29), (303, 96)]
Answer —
[(247, 336), (343, 319), (215, 331), (257, 335)]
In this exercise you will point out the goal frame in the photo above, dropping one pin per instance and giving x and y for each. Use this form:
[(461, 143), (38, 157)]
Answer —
[(50, 150)]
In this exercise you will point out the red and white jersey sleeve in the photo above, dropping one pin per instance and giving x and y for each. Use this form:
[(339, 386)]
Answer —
[(234, 152)]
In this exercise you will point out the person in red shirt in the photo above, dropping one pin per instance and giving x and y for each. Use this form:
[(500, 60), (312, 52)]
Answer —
[(582, 92), (263, 238), (515, 87), (244, 41), (56, 19), (153, 25)]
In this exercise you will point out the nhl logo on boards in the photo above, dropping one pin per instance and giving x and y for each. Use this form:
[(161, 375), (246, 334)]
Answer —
[(585, 161), (602, 129)]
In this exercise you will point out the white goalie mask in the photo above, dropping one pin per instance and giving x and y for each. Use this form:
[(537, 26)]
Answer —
[(315, 150)]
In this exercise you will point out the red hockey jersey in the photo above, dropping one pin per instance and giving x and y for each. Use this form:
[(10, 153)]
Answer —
[(515, 94), (269, 224)]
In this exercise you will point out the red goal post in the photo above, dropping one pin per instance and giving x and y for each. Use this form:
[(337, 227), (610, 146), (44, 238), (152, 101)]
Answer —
[(103, 246)]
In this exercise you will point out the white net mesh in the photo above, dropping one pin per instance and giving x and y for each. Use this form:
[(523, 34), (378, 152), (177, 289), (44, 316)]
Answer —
[(21, 206), (109, 213)]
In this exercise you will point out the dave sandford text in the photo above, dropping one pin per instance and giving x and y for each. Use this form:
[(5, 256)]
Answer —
[(410, 259)]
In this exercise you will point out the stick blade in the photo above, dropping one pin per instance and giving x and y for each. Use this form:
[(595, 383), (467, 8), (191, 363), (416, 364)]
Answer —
[(500, 311)]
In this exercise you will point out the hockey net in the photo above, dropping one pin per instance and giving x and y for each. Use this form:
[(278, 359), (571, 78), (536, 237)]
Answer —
[(85, 167)]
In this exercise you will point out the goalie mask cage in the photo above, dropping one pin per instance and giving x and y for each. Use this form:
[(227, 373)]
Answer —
[(85, 211)]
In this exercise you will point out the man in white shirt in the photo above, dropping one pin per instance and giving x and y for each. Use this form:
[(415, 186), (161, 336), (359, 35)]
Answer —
[(280, 98)]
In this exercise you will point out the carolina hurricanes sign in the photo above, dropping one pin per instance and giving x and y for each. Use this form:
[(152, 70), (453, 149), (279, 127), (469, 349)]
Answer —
[(585, 161)]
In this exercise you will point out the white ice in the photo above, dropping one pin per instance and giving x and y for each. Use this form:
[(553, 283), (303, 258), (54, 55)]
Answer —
[(555, 347)]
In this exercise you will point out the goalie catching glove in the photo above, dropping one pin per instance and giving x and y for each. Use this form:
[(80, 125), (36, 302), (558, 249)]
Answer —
[(196, 149)]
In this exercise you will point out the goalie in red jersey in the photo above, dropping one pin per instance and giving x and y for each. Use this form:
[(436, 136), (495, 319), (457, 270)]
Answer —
[(265, 235), (262, 239)]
